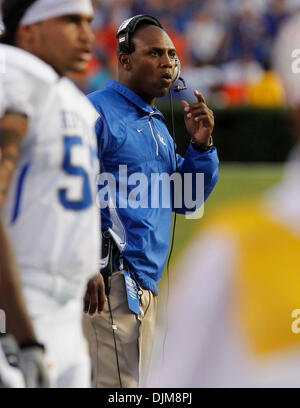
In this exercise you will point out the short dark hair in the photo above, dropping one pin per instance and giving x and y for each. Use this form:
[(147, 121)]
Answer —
[(12, 13)]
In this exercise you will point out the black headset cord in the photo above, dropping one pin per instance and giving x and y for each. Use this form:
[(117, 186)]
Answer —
[(107, 273), (174, 225), (114, 328)]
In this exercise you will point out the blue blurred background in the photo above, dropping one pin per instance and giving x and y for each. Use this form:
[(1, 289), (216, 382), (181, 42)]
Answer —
[(225, 46)]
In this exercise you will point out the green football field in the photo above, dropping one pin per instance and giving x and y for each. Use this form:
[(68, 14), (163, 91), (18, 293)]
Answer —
[(236, 181)]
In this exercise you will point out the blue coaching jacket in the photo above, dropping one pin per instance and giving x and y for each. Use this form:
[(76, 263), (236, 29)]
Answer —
[(134, 144)]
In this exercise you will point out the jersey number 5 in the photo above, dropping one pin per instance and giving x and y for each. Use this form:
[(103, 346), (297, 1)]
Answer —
[(76, 171)]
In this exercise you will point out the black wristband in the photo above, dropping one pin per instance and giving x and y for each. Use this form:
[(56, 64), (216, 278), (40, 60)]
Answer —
[(30, 343), (202, 148)]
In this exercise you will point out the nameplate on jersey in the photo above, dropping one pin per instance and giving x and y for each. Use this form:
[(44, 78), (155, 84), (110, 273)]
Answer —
[(132, 293)]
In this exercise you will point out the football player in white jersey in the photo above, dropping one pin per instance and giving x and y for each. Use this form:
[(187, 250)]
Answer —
[(48, 171), (28, 354)]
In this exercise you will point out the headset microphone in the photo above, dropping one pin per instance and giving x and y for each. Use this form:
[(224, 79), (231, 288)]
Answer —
[(178, 88)]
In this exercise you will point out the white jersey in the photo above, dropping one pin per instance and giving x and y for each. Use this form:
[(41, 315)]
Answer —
[(1, 97), (10, 377), (51, 209)]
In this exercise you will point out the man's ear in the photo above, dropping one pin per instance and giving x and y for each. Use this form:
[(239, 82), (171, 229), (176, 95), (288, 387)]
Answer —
[(25, 34), (125, 61)]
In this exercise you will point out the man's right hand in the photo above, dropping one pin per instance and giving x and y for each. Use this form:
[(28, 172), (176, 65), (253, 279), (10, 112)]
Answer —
[(95, 298), (27, 358)]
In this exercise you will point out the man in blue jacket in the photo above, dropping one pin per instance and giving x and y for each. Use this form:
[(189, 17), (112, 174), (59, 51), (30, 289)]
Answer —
[(134, 147)]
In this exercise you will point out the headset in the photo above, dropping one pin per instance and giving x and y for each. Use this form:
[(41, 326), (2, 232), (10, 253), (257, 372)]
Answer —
[(177, 77), (125, 45)]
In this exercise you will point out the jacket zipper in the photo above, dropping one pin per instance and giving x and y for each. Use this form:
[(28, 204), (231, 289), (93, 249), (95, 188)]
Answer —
[(153, 134)]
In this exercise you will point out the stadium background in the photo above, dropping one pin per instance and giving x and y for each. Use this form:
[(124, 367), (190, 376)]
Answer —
[(225, 48)]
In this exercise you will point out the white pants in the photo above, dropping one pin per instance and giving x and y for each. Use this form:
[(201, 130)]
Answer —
[(59, 327)]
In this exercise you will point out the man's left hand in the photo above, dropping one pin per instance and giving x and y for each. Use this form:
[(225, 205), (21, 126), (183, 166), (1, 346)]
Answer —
[(95, 298), (199, 119)]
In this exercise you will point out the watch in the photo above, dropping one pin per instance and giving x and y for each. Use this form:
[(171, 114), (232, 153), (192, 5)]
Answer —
[(201, 147)]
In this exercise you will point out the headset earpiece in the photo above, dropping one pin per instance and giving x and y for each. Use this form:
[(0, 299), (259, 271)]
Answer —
[(125, 45), (127, 29), (176, 77), (177, 70)]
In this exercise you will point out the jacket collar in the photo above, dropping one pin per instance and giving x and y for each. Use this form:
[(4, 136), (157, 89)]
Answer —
[(134, 98)]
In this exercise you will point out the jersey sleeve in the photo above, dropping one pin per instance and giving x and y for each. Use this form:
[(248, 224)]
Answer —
[(18, 92), (2, 106)]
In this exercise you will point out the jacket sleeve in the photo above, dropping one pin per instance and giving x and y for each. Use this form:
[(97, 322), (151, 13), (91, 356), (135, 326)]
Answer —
[(199, 174), (102, 135), (101, 131)]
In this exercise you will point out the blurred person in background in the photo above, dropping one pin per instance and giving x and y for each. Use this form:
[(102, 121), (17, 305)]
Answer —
[(246, 34), (237, 74), (267, 91), (205, 37), (275, 14), (237, 321)]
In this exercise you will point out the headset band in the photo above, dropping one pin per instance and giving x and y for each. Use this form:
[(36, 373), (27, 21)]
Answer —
[(128, 27)]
